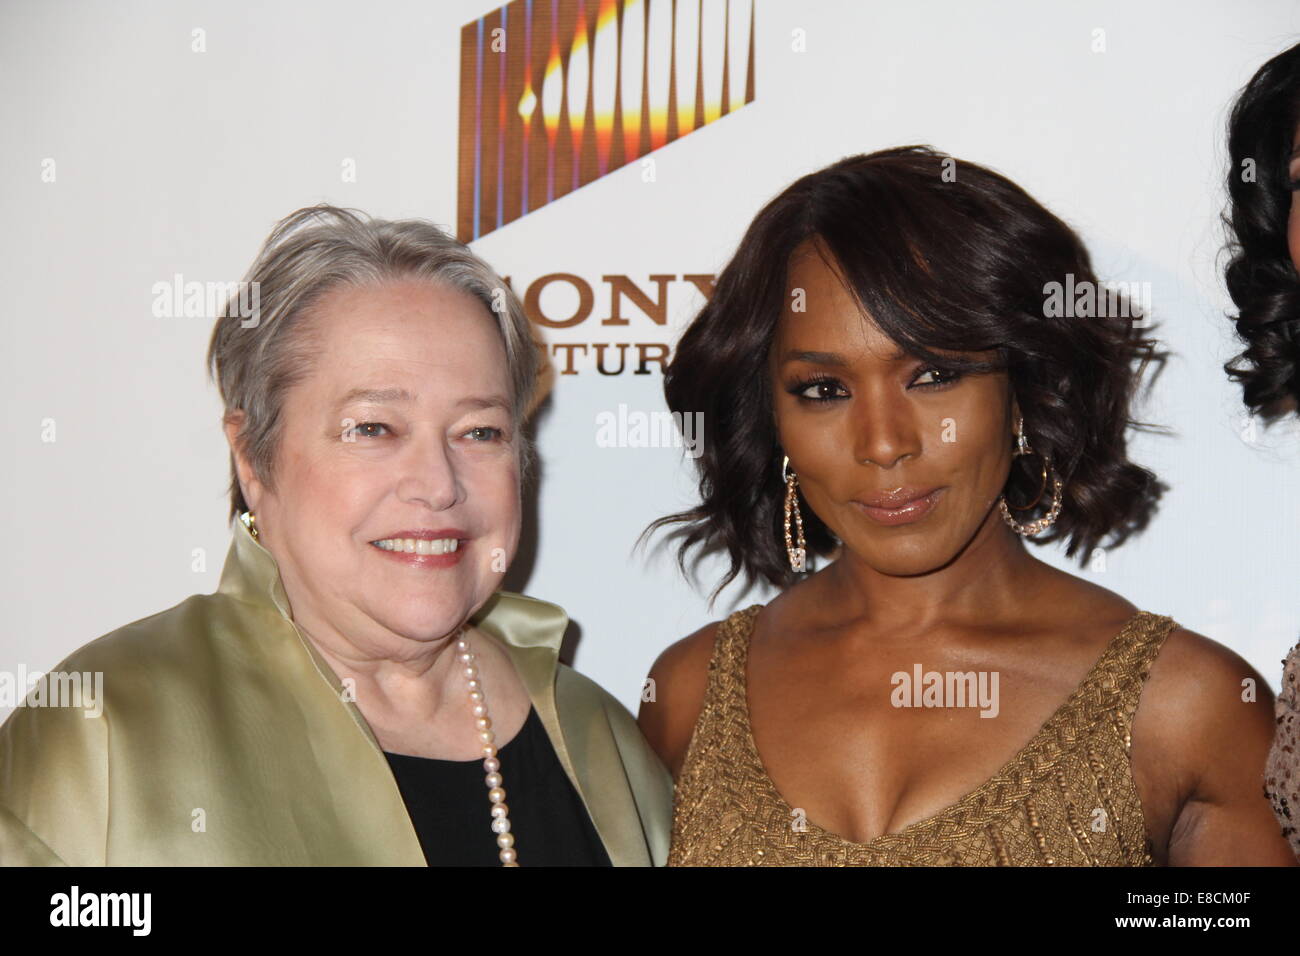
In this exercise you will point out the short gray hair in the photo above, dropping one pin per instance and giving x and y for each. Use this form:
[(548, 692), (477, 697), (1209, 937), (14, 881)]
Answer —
[(314, 251)]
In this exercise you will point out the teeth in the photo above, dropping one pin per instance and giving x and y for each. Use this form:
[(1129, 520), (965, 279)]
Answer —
[(418, 545)]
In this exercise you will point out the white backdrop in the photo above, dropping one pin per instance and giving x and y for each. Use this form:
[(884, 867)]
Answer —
[(170, 161)]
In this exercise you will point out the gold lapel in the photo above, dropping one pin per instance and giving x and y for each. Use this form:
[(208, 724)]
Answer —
[(360, 774)]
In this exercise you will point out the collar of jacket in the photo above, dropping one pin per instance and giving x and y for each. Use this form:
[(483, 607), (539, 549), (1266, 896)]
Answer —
[(530, 631)]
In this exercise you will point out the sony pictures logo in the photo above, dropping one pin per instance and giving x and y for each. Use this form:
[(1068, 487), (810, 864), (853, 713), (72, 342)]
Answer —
[(556, 95)]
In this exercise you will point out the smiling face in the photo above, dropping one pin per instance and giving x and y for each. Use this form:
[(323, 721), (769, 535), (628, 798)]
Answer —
[(402, 427), (868, 428)]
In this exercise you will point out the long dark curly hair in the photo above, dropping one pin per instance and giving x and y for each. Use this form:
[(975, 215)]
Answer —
[(1260, 274), (938, 263)]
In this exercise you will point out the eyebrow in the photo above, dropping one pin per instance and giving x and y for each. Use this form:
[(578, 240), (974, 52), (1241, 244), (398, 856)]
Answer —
[(831, 358), (381, 395), (376, 395), (487, 401)]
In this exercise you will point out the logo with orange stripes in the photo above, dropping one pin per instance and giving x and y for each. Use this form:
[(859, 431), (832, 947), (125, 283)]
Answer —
[(555, 94)]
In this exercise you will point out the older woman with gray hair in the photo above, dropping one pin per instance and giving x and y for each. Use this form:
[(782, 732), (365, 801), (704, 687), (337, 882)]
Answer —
[(358, 690)]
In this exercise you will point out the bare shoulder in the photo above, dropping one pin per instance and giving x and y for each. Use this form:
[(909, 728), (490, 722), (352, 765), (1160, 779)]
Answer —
[(1197, 685), (680, 675)]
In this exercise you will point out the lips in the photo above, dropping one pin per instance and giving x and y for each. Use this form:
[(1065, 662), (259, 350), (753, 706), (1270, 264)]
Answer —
[(896, 498), (899, 506)]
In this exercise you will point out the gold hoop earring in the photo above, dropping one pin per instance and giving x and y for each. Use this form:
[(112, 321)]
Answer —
[(796, 552), (250, 522), (1031, 528), (1022, 448)]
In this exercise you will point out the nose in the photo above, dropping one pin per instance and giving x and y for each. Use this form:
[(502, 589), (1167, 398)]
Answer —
[(427, 472), (885, 427)]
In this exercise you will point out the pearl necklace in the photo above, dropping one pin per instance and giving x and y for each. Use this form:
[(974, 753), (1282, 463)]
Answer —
[(496, 793)]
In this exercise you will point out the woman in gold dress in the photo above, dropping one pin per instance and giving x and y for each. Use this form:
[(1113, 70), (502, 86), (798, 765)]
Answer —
[(909, 367)]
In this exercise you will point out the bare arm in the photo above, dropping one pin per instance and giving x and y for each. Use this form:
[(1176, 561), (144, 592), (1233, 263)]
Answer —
[(1216, 740), (680, 675)]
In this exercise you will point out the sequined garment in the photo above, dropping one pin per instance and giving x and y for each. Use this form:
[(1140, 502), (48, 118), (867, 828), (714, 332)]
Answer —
[(1066, 799), (1282, 772)]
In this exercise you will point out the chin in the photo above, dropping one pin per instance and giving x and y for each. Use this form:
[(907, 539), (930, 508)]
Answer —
[(907, 561), (425, 617), (424, 628)]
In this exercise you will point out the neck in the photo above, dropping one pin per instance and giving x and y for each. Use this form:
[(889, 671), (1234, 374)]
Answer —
[(413, 679)]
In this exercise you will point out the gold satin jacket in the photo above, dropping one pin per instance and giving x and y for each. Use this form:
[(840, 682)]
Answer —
[(225, 739)]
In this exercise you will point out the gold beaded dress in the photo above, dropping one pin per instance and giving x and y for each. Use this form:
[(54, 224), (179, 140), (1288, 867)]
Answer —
[(1066, 799)]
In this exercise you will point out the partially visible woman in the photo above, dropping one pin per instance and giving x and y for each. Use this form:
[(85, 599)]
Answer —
[(909, 368), (1263, 223), (358, 690)]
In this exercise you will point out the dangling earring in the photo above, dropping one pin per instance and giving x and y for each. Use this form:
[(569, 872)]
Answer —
[(250, 523), (1032, 528), (796, 553)]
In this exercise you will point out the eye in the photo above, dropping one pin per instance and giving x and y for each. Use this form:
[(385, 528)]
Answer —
[(939, 377), (822, 390), (485, 433), (365, 429)]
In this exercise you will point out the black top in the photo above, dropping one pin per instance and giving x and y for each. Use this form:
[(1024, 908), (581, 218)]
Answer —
[(448, 804)]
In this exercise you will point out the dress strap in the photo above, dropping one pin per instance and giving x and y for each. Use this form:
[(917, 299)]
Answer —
[(725, 704), (1116, 686), (726, 683)]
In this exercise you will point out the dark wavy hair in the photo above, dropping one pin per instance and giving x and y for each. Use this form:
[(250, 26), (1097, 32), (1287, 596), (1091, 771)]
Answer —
[(936, 262), (1260, 275)]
